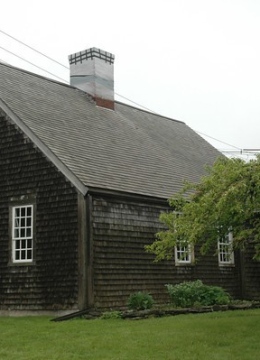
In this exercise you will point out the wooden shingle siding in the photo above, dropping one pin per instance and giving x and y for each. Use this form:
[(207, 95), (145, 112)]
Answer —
[(121, 229), (208, 270), (121, 265), (150, 154), (50, 282), (251, 274)]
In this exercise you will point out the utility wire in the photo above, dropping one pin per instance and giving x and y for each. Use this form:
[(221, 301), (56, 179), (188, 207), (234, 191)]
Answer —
[(238, 150), (49, 58), (66, 67), (235, 147), (38, 67), (144, 107), (29, 62), (30, 47)]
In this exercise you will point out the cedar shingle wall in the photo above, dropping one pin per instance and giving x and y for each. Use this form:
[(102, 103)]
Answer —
[(50, 283), (121, 266), (251, 275), (228, 277)]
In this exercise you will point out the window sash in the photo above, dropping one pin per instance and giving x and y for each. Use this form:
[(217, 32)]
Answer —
[(225, 251), (183, 254), (22, 233)]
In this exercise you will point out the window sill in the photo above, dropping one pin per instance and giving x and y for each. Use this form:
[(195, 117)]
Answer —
[(184, 264), (226, 265), (22, 264)]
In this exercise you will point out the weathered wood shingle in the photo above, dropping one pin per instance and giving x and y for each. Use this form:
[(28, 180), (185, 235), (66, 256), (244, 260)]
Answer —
[(51, 281), (126, 150), (121, 266)]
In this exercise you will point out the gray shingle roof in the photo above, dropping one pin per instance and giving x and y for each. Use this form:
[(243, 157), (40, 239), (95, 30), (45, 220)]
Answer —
[(128, 149)]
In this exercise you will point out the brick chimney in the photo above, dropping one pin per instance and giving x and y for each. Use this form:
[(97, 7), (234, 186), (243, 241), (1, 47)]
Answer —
[(92, 71)]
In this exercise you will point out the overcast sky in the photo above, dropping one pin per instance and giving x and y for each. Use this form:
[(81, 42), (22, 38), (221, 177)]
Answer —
[(192, 60)]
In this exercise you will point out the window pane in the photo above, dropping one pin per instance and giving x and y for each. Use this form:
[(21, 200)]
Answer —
[(29, 243), (17, 212), (16, 233), (29, 211)]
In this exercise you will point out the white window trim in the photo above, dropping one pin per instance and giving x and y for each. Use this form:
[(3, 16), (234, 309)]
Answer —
[(23, 250), (184, 254), (226, 257)]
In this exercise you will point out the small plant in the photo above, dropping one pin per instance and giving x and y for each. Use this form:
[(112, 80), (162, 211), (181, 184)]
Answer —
[(195, 293), (111, 315), (140, 301)]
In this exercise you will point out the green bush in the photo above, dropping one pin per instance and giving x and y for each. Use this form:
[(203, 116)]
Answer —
[(111, 315), (195, 293), (140, 301)]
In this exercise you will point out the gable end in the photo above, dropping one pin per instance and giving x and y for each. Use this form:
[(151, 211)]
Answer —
[(7, 112)]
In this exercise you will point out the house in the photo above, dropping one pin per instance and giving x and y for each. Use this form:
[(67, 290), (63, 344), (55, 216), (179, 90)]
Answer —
[(83, 179)]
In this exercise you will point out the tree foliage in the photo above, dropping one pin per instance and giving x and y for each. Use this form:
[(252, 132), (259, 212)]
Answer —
[(227, 197)]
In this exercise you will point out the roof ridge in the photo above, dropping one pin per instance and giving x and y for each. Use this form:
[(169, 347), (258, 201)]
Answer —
[(44, 78), (34, 74), (150, 112), (129, 149), (71, 86)]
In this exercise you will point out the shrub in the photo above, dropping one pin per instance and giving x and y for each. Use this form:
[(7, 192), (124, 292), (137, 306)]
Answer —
[(111, 315), (191, 293), (140, 301)]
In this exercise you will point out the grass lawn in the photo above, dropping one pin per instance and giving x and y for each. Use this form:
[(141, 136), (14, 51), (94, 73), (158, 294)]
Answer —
[(230, 335)]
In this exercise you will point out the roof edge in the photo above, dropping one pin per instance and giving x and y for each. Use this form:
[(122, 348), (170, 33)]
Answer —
[(43, 148), (127, 195)]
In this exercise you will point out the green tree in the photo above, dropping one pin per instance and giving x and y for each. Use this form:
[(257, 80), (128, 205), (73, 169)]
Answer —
[(227, 198)]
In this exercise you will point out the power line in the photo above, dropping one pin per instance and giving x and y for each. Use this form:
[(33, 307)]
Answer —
[(144, 107), (38, 67), (211, 137), (49, 58), (29, 62), (30, 47), (133, 102), (238, 152)]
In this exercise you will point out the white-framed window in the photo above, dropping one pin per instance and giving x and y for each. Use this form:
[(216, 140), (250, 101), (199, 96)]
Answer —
[(183, 253), (22, 233), (225, 250)]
